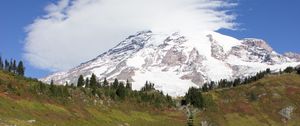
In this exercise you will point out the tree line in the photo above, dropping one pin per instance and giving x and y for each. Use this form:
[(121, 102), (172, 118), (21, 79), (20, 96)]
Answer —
[(115, 90), (194, 95), (12, 66), (120, 90)]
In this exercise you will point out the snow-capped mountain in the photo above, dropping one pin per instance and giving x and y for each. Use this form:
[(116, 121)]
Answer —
[(177, 61)]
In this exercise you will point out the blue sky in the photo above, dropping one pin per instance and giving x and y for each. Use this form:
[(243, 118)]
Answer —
[(276, 21)]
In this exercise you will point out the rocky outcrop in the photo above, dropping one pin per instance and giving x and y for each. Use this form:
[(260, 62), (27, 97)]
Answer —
[(257, 43), (217, 50), (174, 57), (293, 56), (256, 50), (287, 112), (195, 77)]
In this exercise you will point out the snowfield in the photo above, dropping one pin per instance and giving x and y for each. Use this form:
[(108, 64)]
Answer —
[(174, 62)]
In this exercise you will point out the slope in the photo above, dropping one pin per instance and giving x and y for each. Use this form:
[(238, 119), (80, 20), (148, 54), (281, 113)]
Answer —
[(273, 100), (21, 105)]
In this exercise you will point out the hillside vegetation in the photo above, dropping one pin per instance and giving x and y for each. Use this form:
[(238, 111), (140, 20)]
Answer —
[(27, 102), (271, 101)]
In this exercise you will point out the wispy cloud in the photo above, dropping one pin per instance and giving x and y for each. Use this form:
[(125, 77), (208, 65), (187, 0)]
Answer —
[(74, 31)]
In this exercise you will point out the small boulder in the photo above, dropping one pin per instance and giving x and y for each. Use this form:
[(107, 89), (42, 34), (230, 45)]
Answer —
[(287, 112), (31, 121)]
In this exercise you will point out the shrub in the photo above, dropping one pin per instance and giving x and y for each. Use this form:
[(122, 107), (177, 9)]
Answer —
[(289, 70), (253, 96)]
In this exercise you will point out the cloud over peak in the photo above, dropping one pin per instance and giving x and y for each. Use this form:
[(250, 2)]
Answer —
[(74, 31)]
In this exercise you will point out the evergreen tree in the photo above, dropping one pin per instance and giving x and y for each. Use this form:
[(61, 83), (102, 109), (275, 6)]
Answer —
[(20, 69), (205, 87), (289, 70), (115, 83), (128, 85), (52, 87), (10, 65), (42, 87), (98, 84), (148, 87), (6, 67), (211, 85), (72, 85), (121, 91), (1, 64), (194, 97), (236, 82), (169, 99), (268, 70), (65, 91), (87, 82), (223, 83), (105, 83), (14, 67), (298, 70), (93, 81), (80, 81)]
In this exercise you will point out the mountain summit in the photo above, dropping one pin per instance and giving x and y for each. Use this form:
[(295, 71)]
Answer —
[(177, 61)]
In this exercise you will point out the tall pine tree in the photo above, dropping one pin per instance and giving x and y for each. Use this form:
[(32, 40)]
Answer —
[(105, 83), (6, 65), (52, 87), (80, 81), (194, 97), (121, 91), (93, 81), (10, 65), (1, 64), (115, 83), (20, 69), (14, 66), (128, 85), (87, 82)]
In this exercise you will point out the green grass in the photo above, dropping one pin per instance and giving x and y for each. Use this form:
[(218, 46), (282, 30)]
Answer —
[(20, 111), (19, 103)]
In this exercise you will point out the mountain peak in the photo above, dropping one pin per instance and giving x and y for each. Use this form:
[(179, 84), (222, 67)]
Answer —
[(176, 61)]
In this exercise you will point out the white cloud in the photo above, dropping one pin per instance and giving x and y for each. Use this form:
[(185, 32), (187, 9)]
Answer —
[(74, 31)]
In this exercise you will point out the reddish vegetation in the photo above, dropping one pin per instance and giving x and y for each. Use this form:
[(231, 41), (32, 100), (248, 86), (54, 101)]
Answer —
[(292, 90), (244, 108)]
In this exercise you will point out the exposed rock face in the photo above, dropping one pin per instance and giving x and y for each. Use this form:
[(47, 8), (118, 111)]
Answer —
[(287, 112), (257, 43), (177, 61), (194, 61), (195, 77), (126, 74), (256, 50), (294, 56), (174, 57), (216, 49)]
